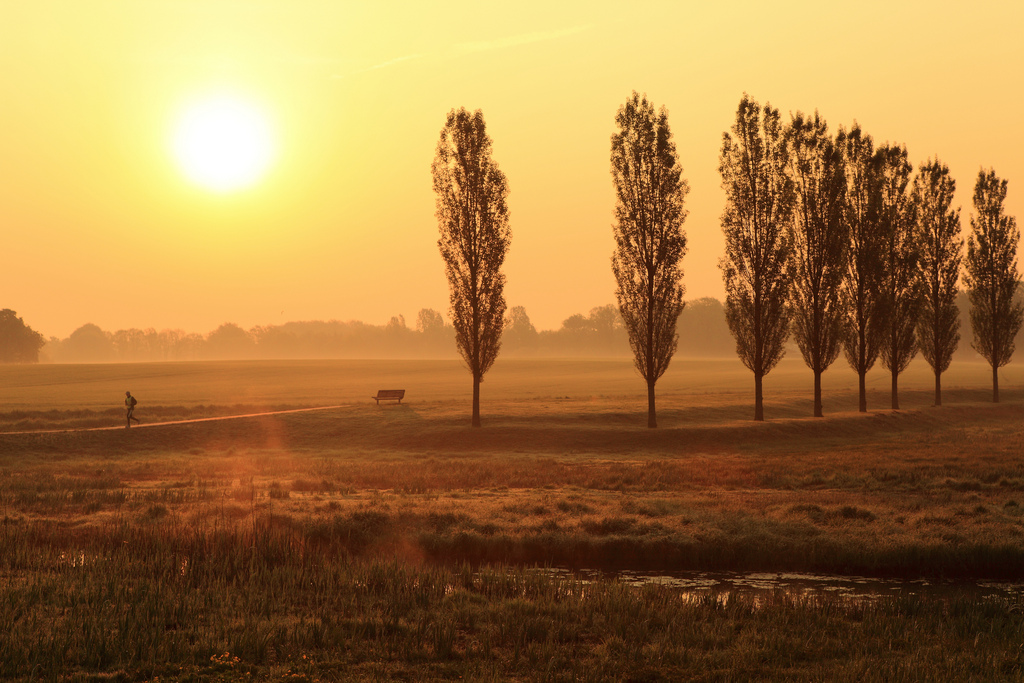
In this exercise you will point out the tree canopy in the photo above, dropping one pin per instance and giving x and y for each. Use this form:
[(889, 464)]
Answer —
[(819, 235), (472, 218), (938, 233), (862, 289), (900, 296), (757, 264), (991, 276), (19, 343), (649, 240)]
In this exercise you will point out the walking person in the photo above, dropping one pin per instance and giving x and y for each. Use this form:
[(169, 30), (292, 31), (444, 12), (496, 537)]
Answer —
[(129, 402)]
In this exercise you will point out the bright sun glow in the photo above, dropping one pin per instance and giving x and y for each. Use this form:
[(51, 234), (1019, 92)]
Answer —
[(223, 143)]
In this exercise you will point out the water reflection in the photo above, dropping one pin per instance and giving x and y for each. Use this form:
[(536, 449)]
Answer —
[(757, 584), (73, 559)]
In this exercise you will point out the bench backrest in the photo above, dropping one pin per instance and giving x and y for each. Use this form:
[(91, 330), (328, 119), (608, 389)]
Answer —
[(391, 393)]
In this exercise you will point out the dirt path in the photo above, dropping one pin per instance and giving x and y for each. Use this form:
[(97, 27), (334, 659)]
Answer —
[(147, 425)]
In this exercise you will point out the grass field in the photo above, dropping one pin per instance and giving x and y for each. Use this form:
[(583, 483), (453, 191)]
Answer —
[(375, 543), (687, 383)]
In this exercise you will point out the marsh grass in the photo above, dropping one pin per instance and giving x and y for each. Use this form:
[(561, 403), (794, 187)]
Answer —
[(163, 601), (898, 496)]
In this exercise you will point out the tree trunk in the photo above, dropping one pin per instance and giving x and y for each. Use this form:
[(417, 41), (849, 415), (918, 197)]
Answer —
[(938, 388), (758, 398), (863, 391), (652, 418), (895, 391), (476, 401), (862, 371), (817, 394), (995, 348)]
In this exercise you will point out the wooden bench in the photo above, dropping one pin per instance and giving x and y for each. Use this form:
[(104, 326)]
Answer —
[(389, 394)]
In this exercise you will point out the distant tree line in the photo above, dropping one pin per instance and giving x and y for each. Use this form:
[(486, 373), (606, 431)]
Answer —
[(598, 334), (431, 337), (702, 329)]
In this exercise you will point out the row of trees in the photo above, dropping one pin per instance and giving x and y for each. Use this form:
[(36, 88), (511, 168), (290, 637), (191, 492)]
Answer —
[(473, 222), (830, 239), (827, 240)]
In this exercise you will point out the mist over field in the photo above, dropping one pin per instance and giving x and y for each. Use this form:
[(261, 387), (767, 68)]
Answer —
[(598, 333), (702, 329)]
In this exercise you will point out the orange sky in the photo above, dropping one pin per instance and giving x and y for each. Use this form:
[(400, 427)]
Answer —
[(98, 224)]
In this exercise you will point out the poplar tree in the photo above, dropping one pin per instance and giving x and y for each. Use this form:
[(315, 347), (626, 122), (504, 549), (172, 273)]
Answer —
[(819, 244), (649, 239), (991, 275), (472, 217), (862, 290), (901, 288), (938, 232), (758, 244)]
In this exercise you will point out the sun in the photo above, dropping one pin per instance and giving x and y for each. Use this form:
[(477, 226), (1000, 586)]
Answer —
[(223, 143)]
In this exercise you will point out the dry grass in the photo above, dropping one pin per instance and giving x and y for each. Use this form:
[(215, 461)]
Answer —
[(335, 545), (549, 384), (553, 478)]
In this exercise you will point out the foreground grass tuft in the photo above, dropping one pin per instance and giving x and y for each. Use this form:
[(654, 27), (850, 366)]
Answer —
[(202, 604)]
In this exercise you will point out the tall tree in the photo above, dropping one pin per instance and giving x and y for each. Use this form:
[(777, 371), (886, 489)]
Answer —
[(649, 238), (991, 276), (862, 290), (472, 216), (820, 239), (758, 242), (900, 290), (938, 228), (19, 343)]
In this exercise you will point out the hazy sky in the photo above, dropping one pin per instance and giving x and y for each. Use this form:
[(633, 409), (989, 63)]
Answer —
[(99, 224)]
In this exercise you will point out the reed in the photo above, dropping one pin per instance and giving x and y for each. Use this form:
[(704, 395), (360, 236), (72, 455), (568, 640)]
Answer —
[(202, 603)]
